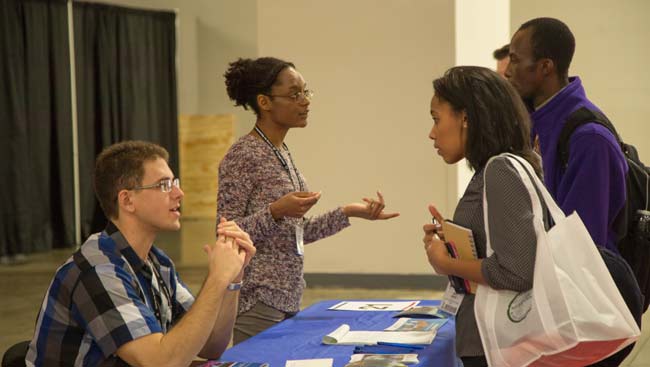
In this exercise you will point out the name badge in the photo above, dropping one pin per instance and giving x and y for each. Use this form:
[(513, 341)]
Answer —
[(300, 244), (451, 301)]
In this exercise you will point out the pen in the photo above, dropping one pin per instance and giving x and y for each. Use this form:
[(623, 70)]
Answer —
[(437, 225), (382, 349), (401, 345)]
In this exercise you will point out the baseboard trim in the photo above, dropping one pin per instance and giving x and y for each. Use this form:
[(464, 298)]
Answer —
[(376, 281)]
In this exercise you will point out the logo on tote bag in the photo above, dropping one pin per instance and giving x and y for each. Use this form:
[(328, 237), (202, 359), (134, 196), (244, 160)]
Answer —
[(520, 306)]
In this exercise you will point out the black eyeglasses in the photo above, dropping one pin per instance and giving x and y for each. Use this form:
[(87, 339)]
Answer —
[(165, 185), (298, 96)]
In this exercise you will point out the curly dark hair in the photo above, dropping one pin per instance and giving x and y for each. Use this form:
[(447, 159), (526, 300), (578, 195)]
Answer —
[(497, 120), (248, 78)]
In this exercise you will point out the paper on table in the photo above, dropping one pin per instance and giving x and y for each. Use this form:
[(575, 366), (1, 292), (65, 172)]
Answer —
[(404, 358), (376, 363), (406, 324), (373, 306), (343, 336), (422, 311), (323, 362)]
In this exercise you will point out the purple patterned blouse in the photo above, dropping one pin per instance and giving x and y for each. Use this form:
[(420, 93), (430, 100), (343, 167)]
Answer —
[(250, 178)]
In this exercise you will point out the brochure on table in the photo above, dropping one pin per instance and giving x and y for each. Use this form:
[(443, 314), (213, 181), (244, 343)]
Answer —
[(343, 336), (373, 306)]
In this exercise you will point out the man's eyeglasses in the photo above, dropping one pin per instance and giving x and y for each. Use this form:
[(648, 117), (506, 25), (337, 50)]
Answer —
[(165, 185), (298, 96)]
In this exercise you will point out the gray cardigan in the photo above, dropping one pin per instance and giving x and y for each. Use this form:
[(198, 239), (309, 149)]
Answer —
[(512, 237)]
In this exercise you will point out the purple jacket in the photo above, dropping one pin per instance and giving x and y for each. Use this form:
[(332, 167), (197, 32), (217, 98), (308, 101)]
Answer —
[(593, 183)]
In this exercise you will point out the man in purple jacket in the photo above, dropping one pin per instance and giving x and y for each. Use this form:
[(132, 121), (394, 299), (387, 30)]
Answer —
[(593, 182)]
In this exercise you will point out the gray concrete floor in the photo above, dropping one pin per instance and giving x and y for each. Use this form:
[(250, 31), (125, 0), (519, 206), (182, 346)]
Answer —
[(22, 287)]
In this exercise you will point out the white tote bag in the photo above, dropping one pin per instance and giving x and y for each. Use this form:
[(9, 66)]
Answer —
[(573, 316)]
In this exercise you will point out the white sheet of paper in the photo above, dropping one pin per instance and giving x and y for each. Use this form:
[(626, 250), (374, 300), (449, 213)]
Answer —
[(373, 306), (324, 362), (343, 336)]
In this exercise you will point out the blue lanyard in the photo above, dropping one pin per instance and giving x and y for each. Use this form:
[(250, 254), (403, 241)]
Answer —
[(283, 162)]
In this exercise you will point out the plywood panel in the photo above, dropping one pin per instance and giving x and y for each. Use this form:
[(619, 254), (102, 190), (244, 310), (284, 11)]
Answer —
[(203, 142)]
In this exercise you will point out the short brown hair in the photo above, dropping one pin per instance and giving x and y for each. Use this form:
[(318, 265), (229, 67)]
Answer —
[(121, 166)]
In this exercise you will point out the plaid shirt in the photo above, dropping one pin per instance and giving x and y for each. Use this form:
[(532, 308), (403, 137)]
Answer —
[(100, 299)]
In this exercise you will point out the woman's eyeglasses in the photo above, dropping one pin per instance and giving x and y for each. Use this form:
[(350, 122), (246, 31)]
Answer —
[(298, 96)]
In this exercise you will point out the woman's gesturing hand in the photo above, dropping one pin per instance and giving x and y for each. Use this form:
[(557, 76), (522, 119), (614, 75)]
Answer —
[(294, 204), (373, 209)]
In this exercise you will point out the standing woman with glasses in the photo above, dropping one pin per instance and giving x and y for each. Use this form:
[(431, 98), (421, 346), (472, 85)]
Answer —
[(262, 190)]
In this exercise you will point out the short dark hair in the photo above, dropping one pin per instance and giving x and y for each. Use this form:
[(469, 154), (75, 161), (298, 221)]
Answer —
[(121, 166), (552, 39), (501, 53), (497, 121), (247, 78)]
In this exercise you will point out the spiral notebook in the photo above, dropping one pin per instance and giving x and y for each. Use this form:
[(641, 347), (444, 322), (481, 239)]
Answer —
[(460, 245)]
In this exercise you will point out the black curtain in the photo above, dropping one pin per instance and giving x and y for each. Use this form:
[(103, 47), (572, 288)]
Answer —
[(36, 195), (126, 87)]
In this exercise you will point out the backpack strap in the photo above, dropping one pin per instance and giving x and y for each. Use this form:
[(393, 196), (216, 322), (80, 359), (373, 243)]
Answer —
[(577, 118)]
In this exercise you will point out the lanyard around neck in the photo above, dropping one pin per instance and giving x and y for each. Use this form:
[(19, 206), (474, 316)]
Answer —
[(283, 162), (156, 294)]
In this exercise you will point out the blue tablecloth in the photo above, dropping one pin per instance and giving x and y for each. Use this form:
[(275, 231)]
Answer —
[(300, 338)]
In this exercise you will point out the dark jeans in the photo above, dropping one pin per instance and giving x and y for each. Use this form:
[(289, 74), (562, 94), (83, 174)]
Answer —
[(479, 361)]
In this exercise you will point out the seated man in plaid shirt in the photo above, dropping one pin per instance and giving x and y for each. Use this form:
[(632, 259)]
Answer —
[(118, 300)]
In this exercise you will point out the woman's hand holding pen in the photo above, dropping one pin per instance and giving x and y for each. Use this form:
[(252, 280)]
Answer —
[(373, 209), (434, 229), (434, 242), (294, 204)]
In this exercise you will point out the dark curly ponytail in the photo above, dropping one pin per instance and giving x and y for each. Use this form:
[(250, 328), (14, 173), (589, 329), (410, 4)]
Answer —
[(247, 78)]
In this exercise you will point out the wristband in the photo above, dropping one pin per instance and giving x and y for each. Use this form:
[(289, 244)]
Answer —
[(234, 286)]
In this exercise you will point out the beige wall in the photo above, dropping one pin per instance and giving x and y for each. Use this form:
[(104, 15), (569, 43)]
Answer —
[(371, 64), (481, 26), (612, 53), (371, 67)]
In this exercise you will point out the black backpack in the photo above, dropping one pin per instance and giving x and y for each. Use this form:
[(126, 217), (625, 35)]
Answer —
[(633, 223)]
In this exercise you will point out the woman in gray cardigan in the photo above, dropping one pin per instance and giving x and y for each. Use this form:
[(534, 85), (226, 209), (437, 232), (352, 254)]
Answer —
[(477, 115)]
